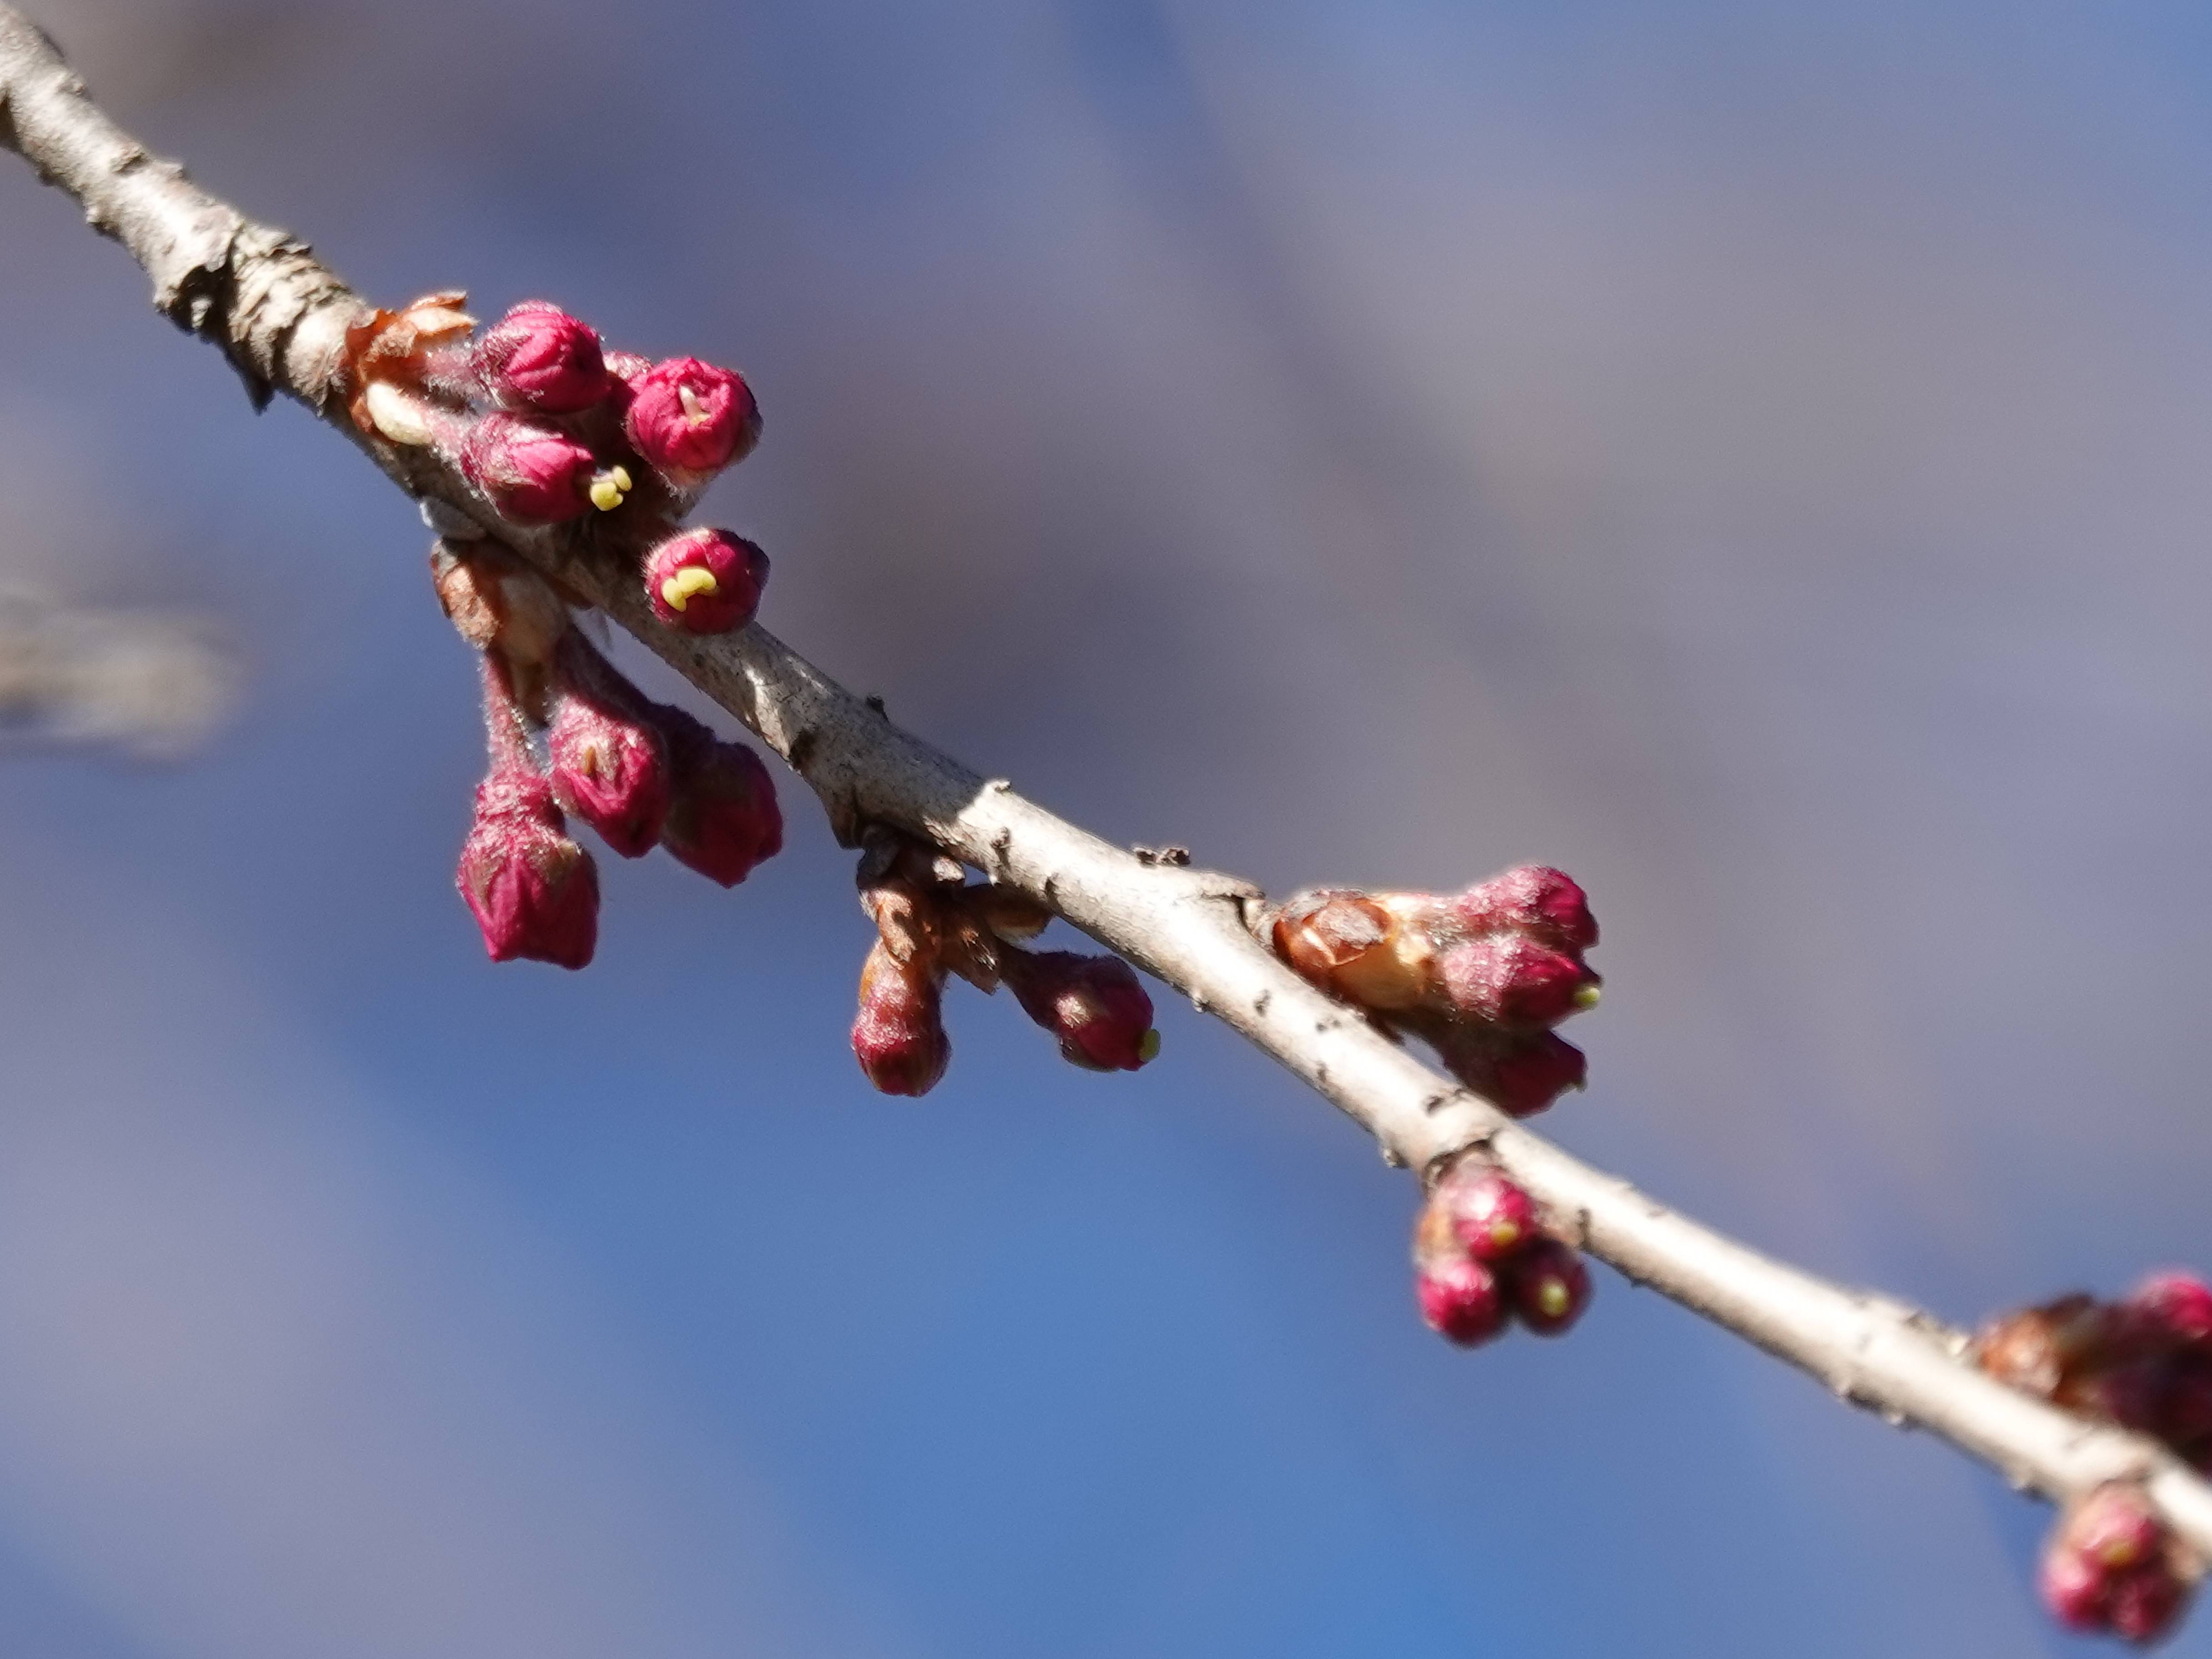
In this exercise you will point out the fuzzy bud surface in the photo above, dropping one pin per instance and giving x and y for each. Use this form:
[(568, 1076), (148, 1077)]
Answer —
[(534, 892), (689, 419), (539, 357), (611, 772), (531, 473), (722, 819)]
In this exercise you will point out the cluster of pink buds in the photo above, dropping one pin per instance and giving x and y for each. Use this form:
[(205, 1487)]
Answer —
[(549, 428), (2143, 1361), (932, 923), (2111, 1565), (1482, 976), (1481, 1255), (640, 773)]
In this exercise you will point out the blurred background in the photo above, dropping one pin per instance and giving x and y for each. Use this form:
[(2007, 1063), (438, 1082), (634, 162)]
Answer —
[(1751, 457)]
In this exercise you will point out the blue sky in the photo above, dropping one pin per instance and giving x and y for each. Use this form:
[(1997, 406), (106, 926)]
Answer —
[(1751, 457)]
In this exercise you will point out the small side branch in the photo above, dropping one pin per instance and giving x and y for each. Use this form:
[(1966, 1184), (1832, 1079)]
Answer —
[(279, 317)]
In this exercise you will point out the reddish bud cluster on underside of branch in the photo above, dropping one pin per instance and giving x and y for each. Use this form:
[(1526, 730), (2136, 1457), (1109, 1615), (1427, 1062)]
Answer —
[(548, 427), (932, 923), (2145, 1363), (1480, 976), (2111, 1565), (1481, 1255), (640, 773)]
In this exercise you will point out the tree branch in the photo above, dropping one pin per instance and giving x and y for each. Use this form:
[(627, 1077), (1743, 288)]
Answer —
[(280, 317)]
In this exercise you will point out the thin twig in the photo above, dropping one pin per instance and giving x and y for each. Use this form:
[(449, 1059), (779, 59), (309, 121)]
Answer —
[(279, 317)]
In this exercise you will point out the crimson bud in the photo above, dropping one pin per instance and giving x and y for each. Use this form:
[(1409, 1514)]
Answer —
[(1491, 1217), (1508, 979), (611, 772), (722, 817), (1093, 1005), (689, 419), (531, 473), (533, 891), (2178, 1306), (705, 581), (1549, 1286), (1530, 898), (1460, 1298), (899, 1036), (538, 357)]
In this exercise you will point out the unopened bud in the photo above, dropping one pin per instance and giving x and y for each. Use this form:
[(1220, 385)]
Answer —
[(611, 772), (1460, 1299), (722, 817), (689, 419), (2115, 1528), (1528, 1077), (1093, 1005), (1491, 1218), (1549, 1286), (1533, 899), (531, 473), (538, 357), (705, 581), (2110, 1563), (2175, 1306), (1508, 979), (1519, 1075), (899, 1036), (2147, 1604), (533, 891)]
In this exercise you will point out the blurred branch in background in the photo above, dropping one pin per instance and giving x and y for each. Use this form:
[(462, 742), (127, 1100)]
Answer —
[(153, 685)]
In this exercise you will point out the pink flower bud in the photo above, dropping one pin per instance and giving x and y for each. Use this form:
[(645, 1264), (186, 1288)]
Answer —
[(2115, 1528), (611, 772), (2146, 1604), (1508, 979), (1530, 898), (899, 1037), (705, 581), (531, 473), (1459, 1301), (689, 419), (534, 892), (2177, 1307), (1093, 1005), (1549, 1286), (1460, 1297), (1491, 1217), (1530, 1076), (538, 357), (2077, 1592), (2110, 1563), (722, 817)]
